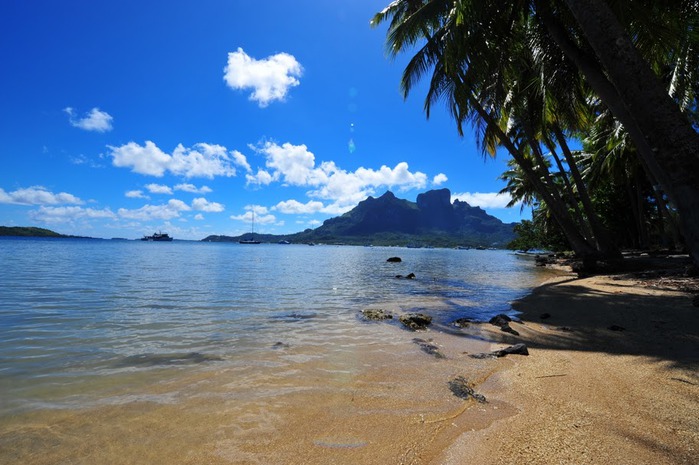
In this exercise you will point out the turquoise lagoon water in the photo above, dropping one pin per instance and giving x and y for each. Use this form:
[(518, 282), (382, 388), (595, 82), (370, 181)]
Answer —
[(82, 322)]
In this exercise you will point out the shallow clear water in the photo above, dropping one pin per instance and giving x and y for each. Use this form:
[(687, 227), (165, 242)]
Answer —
[(83, 322)]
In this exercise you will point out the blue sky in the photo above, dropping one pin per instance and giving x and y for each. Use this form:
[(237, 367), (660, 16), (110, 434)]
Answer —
[(118, 119)]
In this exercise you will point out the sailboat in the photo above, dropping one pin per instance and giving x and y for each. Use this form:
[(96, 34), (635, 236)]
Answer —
[(252, 233)]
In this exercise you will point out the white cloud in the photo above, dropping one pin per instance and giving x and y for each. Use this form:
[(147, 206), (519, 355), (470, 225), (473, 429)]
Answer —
[(201, 204), (198, 217), (483, 199), (136, 194), (262, 178), (202, 160), (69, 214), (270, 78), (38, 195), (295, 165), (291, 207), (441, 178), (159, 189), (191, 188), (240, 160), (155, 212), (96, 120)]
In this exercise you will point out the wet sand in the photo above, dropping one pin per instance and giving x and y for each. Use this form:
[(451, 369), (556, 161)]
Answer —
[(588, 394)]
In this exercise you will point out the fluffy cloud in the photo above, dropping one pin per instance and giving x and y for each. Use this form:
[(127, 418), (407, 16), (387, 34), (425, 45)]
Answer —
[(269, 79), (191, 188), (201, 204), (69, 214), (136, 194), (38, 195), (96, 120), (291, 207), (202, 160), (441, 178), (159, 189), (240, 160), (295, 165), (483, 199), (155, 212)]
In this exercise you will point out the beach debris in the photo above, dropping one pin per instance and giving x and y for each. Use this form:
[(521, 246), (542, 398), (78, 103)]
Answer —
[(376, 314), (545, 316), (517, 349), (394, 260), (428, 347), (280, 345), (616, 328), (503, 322), (416, 321), (462, 322), (464, 390)]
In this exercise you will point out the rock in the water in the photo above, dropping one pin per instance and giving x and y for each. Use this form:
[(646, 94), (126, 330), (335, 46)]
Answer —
[(463, 390), (376, 314), (462, 322), (416, 321), (280, 345), (394, 260), (410, 276), (429, 348)]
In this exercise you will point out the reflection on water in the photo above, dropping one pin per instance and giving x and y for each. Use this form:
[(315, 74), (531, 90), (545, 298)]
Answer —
[(105, 338)]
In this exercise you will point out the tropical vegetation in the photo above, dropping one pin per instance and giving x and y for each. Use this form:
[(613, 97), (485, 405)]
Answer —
[(594, 101)]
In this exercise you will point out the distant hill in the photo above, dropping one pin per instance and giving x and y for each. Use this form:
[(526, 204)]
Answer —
[(31, 231), (433, 220)]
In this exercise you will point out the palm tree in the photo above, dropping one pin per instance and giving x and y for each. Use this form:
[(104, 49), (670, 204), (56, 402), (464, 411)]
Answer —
[(476, 50)]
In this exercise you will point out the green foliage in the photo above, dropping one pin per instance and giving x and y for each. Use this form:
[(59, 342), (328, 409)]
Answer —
[(27, 231)]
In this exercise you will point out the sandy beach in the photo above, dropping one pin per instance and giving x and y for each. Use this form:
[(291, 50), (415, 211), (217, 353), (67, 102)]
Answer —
[(612, 377)]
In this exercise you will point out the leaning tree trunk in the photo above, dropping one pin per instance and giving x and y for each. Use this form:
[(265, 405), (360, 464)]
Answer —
[(674, 143)]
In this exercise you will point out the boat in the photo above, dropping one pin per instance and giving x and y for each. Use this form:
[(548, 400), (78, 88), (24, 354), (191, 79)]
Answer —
[(252, 233), (157, 237)]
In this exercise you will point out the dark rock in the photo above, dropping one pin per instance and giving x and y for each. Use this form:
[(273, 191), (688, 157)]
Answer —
[(394, 260), (545, 316), (410, 276), (416, 321), (517, 349), (616, 328), (376, 314), (503, 322), (566, 329), (280, 345), (429, 348), (463, 390), (462, 322), (500, 320)]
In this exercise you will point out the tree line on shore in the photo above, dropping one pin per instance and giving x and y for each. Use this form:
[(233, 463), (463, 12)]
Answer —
[(594, 101)]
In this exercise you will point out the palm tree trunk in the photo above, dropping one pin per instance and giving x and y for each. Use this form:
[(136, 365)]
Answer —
[(580, 246), (606, 244), (674, 144)]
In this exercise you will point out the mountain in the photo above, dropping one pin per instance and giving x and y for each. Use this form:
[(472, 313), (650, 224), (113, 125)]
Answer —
[(32, 231), (433, 220)]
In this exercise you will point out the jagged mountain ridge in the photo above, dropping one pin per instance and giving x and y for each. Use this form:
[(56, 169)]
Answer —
[(387, 220), (432, 213)]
